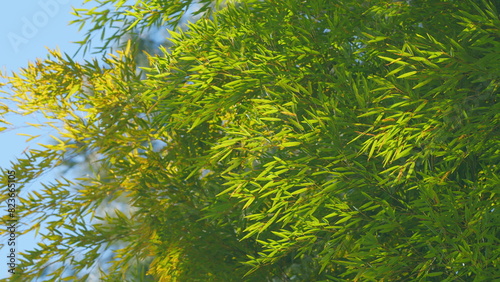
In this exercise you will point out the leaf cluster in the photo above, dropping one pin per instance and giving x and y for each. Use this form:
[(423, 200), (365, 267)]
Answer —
[(278, 140)]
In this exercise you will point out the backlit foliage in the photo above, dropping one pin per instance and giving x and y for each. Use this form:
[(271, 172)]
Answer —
[(288, 140)]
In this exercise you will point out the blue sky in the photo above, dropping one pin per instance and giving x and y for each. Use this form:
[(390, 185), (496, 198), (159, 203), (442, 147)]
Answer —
[(27, 29)]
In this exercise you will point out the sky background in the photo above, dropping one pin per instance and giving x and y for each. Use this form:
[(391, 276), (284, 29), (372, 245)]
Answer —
[(27, 29)]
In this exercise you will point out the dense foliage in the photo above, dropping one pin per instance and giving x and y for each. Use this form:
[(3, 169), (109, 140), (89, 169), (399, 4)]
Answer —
[(277, 140)]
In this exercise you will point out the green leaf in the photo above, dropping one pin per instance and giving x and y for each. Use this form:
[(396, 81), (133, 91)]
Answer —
[(290, 144), (407, 74)]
